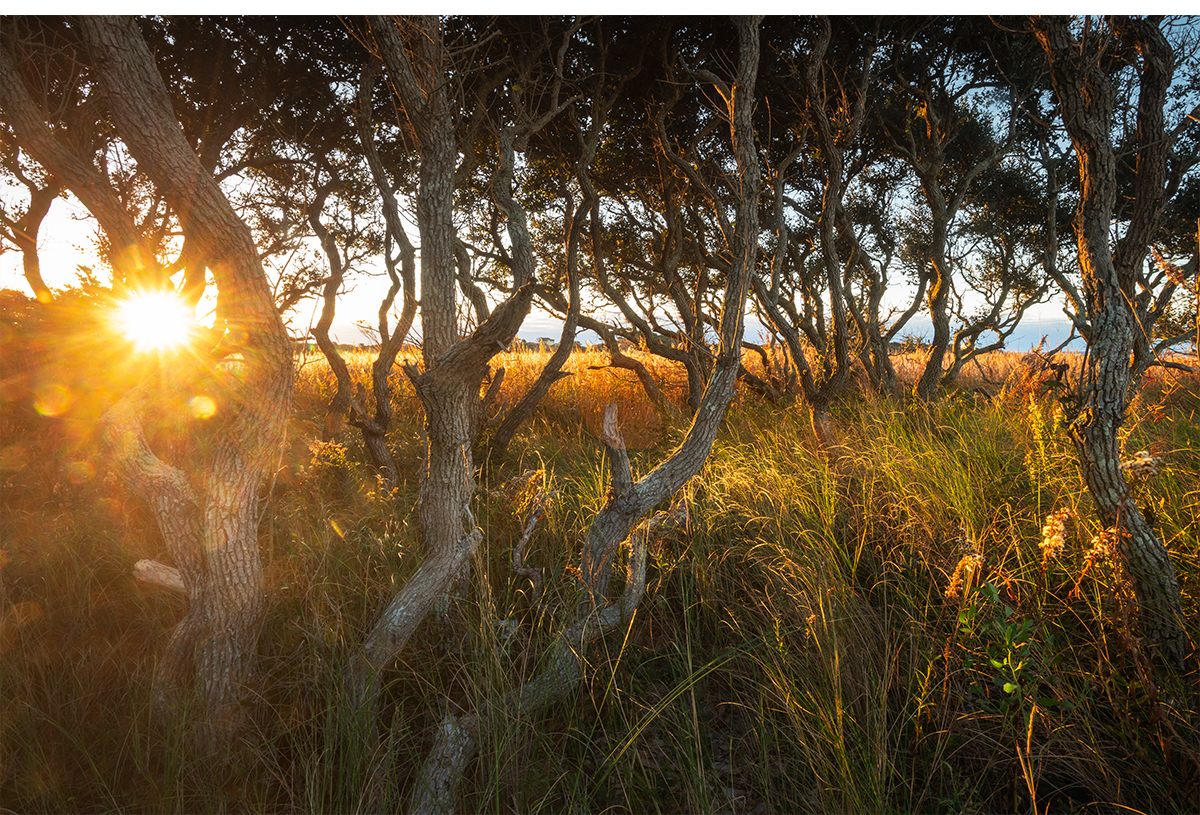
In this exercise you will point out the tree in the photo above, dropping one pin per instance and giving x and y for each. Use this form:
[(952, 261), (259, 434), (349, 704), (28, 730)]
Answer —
[(869, 228), (1085, 58), (806, 261), (629, 500), (434, 94), (22, 230), (207, 506), (651, 226), (947, 142), (54, 116), (1000, 246)]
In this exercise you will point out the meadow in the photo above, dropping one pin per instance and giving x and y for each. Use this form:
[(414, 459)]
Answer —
[(924, 617)]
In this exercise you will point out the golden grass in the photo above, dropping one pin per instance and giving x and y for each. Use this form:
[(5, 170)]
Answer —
[(797, 650)]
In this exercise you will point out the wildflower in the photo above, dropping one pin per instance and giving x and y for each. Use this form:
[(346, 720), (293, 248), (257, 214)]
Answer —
[(964, 575), (1103, 548), (1103, 551), (1053, 535), (1143, 465)]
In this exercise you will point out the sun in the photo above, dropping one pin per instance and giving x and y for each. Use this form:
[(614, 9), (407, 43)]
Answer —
[(155, 321)]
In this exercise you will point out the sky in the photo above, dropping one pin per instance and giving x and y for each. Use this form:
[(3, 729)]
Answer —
[(65, 239)]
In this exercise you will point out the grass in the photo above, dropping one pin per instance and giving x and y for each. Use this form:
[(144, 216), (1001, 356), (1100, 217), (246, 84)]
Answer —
[(800, 647)]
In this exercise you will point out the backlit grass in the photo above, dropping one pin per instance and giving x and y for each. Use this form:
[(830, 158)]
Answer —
[(803, 645)]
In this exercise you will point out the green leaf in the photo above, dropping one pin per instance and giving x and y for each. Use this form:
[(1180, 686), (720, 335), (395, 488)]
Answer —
[(1009, 687)]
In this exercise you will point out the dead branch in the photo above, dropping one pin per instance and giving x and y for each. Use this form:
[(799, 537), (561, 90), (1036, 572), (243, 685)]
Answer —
[(159, 574)]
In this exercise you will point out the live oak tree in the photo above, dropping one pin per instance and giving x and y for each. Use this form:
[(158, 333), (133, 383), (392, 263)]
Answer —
[(52, 115), (651, 225), (562, 156), (319, 175), (207, 505), (1001, 244), (929, 119), (436, 96), (21, 229), (821, 85), (596, 613), (1085, 58), (868, 226)]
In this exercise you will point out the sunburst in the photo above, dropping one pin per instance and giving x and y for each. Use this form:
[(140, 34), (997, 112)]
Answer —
[(156, 321)]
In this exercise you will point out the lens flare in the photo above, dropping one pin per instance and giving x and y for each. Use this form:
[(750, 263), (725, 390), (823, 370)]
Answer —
[(156, 321), (52, 400), (203, 407)]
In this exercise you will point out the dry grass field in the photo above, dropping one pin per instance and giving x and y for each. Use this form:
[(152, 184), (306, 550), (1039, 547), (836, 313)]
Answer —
[(922, 618)]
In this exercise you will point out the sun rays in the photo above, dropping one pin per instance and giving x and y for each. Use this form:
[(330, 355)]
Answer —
[(155, 321)]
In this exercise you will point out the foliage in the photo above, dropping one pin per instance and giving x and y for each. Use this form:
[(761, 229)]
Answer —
[(796, 651)]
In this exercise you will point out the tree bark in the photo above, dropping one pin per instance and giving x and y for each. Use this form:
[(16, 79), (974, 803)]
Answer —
[(1086, 94), (629, 501), (417, 62), (208, 517)]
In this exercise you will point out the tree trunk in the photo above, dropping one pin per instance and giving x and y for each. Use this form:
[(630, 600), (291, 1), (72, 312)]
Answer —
[(629, 501), (75, 169), (335, 412), (24, 233), (1086, 94), (209, 517), (391, 341), (417, 63), (939, 289)]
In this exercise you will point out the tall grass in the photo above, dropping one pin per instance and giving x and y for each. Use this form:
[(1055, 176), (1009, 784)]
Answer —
[(873, 627)]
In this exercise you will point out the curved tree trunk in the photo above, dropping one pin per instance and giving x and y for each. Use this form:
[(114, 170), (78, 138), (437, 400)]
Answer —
[(75, 168), (209, 516), (374, 428), (939, 275), (335, 412), (939, 314), (24, 234), (1086, 94), (417, 62), (629, 501)]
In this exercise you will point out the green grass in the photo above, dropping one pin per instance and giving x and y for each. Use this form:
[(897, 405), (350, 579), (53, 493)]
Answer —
[(796, 650)]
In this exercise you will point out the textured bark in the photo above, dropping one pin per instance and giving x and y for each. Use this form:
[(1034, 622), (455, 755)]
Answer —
[(447, 484), (208, 515), (417, 62), (629, 501), (1086, 95), (159, 574)]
